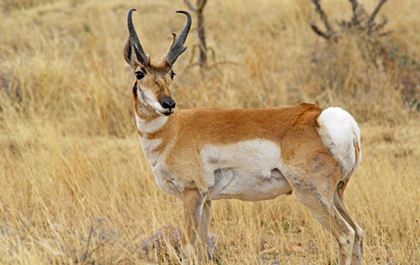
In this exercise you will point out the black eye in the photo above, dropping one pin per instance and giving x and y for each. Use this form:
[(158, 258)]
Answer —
[(139, 75), (173, 75)]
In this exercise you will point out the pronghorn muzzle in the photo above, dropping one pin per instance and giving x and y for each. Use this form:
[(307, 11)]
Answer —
[(168, 104)]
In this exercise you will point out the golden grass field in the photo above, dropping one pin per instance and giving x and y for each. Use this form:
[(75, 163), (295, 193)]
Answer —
[(75, 186)]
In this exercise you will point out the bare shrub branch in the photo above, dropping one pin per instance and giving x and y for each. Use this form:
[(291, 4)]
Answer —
[(319, 32), (375, 12), (354, 7), (201, 4), (322, 15), (358, 21), (198, 9), (190, 6)]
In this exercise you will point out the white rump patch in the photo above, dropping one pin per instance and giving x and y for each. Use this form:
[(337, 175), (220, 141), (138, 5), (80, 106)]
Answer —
[(339, 131)]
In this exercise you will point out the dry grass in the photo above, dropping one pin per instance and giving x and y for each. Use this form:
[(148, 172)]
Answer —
[(75, 186)]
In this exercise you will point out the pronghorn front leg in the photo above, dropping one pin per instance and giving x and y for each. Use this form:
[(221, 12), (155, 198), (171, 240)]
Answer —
[(203, 231), (193, 208)]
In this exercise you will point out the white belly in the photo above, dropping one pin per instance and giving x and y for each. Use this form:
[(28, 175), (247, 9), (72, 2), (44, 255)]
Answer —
[(247, 171)]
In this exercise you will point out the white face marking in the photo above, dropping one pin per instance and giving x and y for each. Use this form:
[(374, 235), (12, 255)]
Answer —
[(248, 170), (149, 98), (146, 95), (150, 126)]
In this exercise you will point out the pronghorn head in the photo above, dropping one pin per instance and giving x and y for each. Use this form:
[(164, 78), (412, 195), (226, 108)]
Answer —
[(154, 77)]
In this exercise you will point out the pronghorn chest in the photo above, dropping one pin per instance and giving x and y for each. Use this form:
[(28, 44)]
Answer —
[(150, 145), (156, 154), (248, 170), (164, 177), (149, 148)]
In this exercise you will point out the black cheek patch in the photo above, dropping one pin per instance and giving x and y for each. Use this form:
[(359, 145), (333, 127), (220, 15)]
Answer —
[(135, 90)]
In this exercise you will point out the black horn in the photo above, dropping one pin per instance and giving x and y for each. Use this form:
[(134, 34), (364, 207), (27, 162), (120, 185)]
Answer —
[(138, 49), (178, 47)]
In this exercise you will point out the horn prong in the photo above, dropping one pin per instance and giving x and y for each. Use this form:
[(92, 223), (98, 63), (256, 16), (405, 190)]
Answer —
[(178, 47)]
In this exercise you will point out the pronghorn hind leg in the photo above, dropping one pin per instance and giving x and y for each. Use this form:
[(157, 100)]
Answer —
[(358, 239), (322, 207), (193, 206), (314, 186)]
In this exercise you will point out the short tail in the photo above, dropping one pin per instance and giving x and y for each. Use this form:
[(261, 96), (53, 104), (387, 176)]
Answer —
[(341, 136)]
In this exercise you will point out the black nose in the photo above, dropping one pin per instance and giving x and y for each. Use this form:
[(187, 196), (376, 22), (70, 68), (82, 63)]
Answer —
[(167, 103)]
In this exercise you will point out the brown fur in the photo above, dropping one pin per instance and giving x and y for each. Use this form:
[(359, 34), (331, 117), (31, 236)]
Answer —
[(289, 127)]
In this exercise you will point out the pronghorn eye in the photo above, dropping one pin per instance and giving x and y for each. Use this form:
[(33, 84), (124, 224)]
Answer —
[(139, 75), (173, 75)]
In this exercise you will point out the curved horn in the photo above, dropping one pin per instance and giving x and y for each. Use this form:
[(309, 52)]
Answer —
[(178, 47), (141, 56)]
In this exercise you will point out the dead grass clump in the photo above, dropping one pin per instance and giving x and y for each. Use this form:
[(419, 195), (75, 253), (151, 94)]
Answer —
[(164, 246), (363, 61), (9, 5), (342, 72)]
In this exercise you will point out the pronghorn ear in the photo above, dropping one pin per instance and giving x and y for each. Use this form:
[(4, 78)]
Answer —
[(129, 54)]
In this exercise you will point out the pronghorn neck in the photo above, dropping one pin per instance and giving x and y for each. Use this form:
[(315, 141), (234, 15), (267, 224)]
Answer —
[(147, 120), (153, 124), (156, 131)]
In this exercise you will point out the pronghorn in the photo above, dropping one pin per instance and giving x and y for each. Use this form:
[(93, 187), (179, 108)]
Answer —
[(206, 154)]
